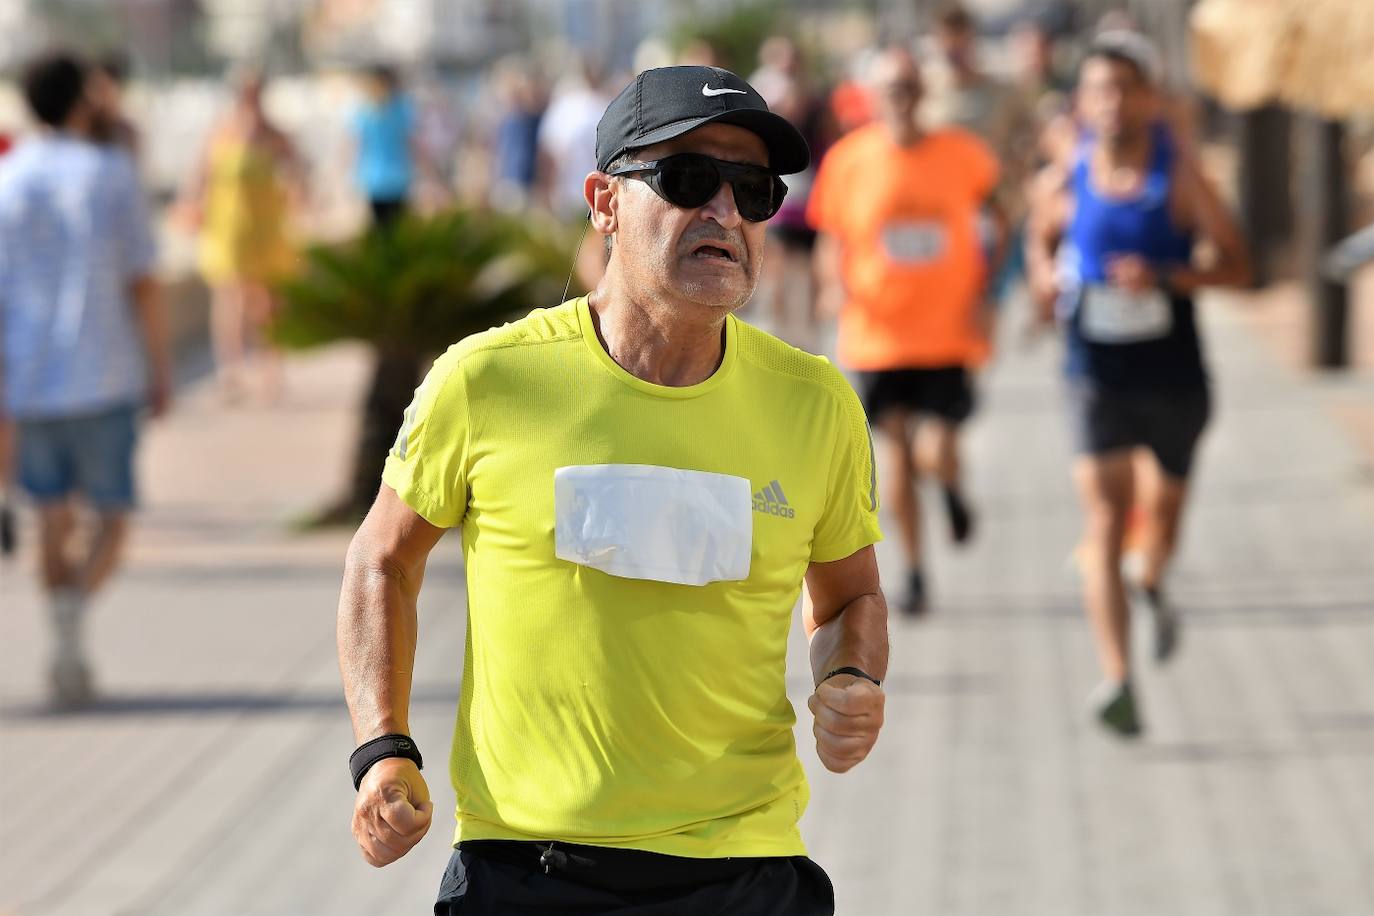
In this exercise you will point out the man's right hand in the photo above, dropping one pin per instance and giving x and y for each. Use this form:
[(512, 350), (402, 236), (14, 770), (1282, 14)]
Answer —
[(160, 393), (392, 812)]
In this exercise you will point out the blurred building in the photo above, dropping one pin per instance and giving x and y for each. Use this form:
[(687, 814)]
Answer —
[(438, 31)]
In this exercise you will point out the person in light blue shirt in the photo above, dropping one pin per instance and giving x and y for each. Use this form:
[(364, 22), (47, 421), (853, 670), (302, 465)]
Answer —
[(84, 342), (386, 159)]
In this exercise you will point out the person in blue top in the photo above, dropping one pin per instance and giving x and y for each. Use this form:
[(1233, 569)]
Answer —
[(387, 154), (1114, 253)]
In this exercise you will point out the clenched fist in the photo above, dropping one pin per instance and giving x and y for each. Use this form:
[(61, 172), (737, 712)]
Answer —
[(392, 812), (849, 713)]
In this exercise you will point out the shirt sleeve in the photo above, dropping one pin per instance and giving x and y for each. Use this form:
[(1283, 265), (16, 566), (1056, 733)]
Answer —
[(821, 210), (135, 227), (982, 168), (427, 465), (849, 521), (5, 243)]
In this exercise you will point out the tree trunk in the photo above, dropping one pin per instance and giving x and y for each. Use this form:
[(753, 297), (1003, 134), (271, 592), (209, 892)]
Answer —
[(1266, 202), (1325, 191), (394, 378)]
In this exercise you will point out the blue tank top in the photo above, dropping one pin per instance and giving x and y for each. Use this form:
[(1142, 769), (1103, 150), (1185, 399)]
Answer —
[(1105, 227)]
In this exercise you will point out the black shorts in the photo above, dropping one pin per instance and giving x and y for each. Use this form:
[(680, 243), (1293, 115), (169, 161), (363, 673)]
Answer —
[(796, 238), (945, 392), (505, 878), (386, 212), (1167, 422)]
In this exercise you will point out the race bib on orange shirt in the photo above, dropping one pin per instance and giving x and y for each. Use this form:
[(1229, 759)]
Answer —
[(915, 242)]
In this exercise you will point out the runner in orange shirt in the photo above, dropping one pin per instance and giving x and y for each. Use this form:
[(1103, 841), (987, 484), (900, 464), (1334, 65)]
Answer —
[(903, 260)]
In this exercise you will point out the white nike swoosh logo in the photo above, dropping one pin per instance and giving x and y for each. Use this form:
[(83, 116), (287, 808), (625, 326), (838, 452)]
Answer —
[(708, 91)]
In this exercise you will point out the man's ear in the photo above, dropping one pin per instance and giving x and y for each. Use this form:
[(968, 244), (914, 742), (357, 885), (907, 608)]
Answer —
[(600, 191)]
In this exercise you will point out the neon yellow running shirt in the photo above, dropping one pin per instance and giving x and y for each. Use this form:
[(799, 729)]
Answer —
[(604, 702)]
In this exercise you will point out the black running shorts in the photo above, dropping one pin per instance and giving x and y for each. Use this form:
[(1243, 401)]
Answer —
[(946, 392), (506, 878), (1167, 422)]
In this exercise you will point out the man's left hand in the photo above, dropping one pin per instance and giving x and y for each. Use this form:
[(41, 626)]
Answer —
[(849, 713)]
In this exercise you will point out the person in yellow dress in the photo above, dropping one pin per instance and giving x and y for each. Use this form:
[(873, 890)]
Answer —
[(249, 175)]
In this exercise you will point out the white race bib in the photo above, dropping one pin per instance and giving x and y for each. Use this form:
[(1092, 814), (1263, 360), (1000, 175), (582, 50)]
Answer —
[(914, 241), (1111, 315), (640, 521)]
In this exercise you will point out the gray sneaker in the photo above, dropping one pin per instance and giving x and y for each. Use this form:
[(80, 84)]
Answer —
[(1113, 705), (70, 682), (70, 676)]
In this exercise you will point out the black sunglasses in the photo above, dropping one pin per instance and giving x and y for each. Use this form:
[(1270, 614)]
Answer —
[(689, 180)]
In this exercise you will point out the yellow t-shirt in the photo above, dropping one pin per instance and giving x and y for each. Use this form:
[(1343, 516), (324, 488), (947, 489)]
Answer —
[(615, 711)]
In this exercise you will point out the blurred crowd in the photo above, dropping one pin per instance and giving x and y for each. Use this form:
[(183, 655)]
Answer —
[(523, 141), (939, 163)]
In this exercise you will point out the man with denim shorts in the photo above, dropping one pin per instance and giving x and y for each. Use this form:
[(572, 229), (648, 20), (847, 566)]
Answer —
[(84, 344)]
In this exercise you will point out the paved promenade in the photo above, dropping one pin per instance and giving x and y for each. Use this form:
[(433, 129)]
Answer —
[(211, 781)]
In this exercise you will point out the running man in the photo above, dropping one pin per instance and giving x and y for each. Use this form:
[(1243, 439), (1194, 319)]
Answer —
[(643, 482), (85, 345), (899, 209), (1113, 252)]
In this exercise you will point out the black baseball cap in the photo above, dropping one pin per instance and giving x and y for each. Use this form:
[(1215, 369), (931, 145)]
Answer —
[(667, 102)]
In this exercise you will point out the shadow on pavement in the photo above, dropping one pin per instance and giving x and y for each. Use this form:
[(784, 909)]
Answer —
[(201, 703)]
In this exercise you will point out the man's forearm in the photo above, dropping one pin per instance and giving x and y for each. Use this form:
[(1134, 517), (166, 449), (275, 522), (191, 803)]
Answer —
[(857, 637), (1188, 280), (377, 629)]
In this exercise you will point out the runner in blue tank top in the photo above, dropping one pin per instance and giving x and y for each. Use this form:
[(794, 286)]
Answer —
[(1111, 254)]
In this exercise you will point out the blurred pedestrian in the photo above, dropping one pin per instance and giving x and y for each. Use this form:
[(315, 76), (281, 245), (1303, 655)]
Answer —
[(1044, 89), (85, 345), (961, 93), (567, 143), (9, 530), (1115, 254), (643, 482), (851, 102), (515, 146), (901, 260), (699, 52), (567, 138), (387, 155), (438, 135), (787, 289), (242, 198), (108, 76)]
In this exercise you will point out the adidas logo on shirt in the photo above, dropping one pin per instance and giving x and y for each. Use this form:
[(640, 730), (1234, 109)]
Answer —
[(771, 501)]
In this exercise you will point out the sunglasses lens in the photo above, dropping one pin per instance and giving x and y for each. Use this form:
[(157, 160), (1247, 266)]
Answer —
[(755, 195), (689, 181)]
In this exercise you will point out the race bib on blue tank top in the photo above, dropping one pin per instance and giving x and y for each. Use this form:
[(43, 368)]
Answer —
[(1112, 315)]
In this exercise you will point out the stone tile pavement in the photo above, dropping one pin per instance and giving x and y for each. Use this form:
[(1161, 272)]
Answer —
[(211, 780)]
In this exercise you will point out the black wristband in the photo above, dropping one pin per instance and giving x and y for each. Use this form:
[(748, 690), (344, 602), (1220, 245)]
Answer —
[(850, 669), (369, 752)]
